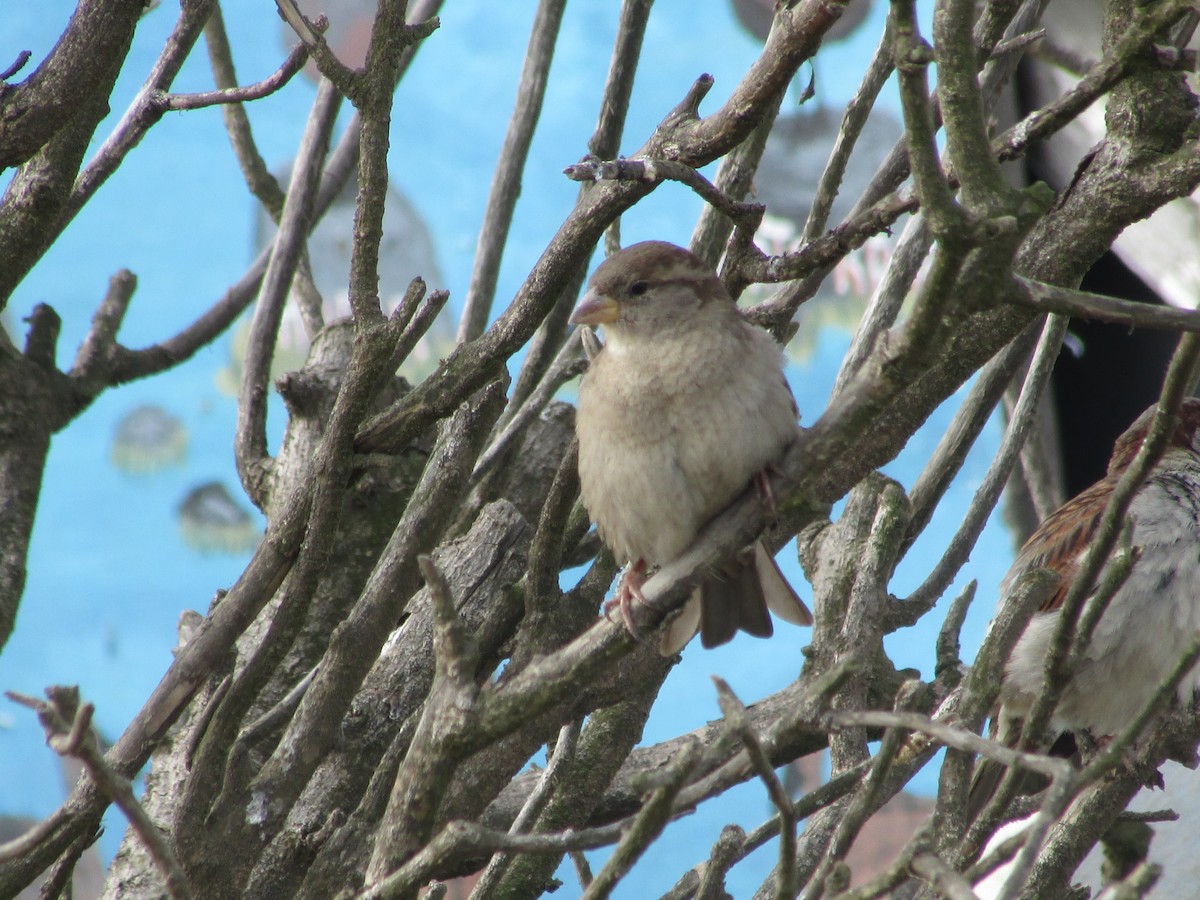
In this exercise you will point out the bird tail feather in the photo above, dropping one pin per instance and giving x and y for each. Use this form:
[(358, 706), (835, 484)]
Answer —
[(737, 597)]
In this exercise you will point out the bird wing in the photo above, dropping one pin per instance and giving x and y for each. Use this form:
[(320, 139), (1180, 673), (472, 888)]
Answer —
[(1057, 542)]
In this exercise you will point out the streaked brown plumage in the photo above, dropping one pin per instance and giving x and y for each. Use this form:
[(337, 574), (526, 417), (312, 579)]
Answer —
[(1150, 620)]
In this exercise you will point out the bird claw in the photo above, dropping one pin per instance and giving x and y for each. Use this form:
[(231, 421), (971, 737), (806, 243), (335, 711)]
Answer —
[(762, 487), (1147, 774), (629, 590)]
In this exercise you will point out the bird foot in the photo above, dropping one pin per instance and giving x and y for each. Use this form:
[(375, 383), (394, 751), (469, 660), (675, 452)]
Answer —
[(762, 486), (629, 591), (1148, 775)]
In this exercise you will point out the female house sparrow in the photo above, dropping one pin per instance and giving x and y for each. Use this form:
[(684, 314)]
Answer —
[(681, 410), (1150, 620)]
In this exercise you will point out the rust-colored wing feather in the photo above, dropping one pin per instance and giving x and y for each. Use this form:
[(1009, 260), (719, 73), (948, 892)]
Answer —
[(1059, 542)]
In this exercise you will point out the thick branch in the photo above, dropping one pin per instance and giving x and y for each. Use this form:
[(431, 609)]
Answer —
[(83, 63)]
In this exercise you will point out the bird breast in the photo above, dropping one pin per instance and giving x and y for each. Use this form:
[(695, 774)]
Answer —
[(670, 434)]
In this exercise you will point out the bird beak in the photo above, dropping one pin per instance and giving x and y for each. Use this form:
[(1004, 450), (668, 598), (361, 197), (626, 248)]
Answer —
[(595, 309)]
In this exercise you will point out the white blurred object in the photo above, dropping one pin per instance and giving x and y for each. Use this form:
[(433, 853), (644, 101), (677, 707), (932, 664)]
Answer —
[(989, 887)]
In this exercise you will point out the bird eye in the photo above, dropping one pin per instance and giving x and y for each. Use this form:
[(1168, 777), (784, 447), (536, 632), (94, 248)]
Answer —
[(638, 288)]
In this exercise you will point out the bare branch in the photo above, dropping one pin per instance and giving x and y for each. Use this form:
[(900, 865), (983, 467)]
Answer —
[(17, 65), (312, 36), (1099, 308), (604, 143), (506, 181), (291, 65), (83, 63), (959, 738), (564, 749), (356, 644), (569, 363), (913, 56), (34, 836), (656, 171), (735, 716), (923, 598), (1134, 38), (237, 123), (645, 827), (857, 111), (96, 352), (140, 116), (68, 726), (250, 446)]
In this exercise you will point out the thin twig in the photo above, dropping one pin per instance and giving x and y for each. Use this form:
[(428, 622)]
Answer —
[(468, 840), (969, 421), (1000, 855), (887, 299), (814, 801), (1060, 56), (258, 178), (569, 363), (68, 726), (1147, 22), (857, 111), (95, 355), (250, 444), (604, 144), (954, 736), (16, 66), (1058, 797), (291, 65), (983, 189), (1150, 816), (948, 636), (141, 116), (723, 855), (583, 869), (1039, 468), (506, 181), (1100, 308), (923, 598), (912, 58), (312, 36), (436, 749), (646, 825), (656, 171), (564, 752), (735, 717), (1019, 42), (735, 179), (34, 836), (546, 550), (418, 317), (279, 712), (864, 803)]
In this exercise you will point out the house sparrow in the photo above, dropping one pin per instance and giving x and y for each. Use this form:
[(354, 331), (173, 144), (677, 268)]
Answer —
[(681, 410), (1150, 620)]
